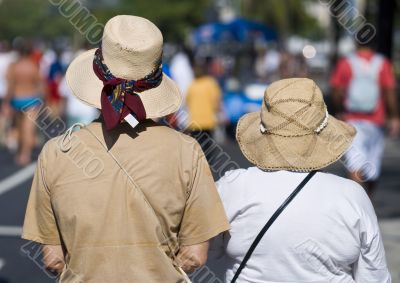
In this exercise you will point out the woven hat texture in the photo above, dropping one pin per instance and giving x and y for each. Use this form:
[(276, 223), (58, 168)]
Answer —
[(293, 131), (131, 48)]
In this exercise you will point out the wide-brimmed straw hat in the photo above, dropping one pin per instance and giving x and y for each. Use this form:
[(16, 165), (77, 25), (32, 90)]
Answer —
[(131, 47), (293, 131)]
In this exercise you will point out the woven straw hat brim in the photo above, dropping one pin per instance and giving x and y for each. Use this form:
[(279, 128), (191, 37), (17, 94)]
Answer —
[(306, 153), (86, 86)]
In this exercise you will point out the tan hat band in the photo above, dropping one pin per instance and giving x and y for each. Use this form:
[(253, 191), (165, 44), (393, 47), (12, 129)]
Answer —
[(319, 129)]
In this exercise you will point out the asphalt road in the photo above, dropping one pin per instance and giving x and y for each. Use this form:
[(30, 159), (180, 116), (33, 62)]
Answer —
[(20, 263)]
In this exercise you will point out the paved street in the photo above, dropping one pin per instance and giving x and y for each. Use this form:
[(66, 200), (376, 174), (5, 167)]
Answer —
[(17, 267)]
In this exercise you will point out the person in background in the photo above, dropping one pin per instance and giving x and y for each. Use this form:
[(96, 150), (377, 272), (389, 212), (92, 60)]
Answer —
[(75, 110), (329, 231), (292, 65), (24, 92), (182, 73), (7, 57), (54, 77), (272, 62), (181, 69), (36, 54), (267, 62), (234, 105), (364, 95), (203, 102)]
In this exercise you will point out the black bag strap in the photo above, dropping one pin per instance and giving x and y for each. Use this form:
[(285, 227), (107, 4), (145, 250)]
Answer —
[(269, 224)]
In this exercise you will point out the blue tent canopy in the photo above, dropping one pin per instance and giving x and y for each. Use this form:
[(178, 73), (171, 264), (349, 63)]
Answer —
[(212, 33), (245, 29), (240, 30)]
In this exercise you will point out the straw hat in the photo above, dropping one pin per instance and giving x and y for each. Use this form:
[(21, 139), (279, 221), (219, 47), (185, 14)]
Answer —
[(293, 131), (131, 46)]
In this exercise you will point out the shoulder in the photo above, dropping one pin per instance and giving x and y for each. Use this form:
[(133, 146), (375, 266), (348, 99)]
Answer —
[(386, 64), (341, 72), (212, 81), (234, 178), (344, 190), (55, 147), (176, 141), (344, 62), (49, 156), (168, 134), (50, 148), (342, 185)]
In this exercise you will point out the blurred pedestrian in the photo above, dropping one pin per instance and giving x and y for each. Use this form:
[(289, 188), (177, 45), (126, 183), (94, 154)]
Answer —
[(272, 62), (234, 105), (7, 57), (203, 103), (75, 110), (181, 71), (268, 63), (54, 77), (24, 93), (119, 201), (364, 93), (290, 222), (292, 65)]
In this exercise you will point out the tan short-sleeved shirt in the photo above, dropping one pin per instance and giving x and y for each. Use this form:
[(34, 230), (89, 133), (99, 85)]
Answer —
[(81, 198)]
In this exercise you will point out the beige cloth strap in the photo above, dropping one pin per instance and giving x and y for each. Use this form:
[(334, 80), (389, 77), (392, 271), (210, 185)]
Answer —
[(172, 252)]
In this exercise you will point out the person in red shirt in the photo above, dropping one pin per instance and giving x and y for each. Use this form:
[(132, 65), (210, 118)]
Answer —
[(354, 81)]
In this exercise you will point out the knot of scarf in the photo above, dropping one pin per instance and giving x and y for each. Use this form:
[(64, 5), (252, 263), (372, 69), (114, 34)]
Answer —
[(119, 97)]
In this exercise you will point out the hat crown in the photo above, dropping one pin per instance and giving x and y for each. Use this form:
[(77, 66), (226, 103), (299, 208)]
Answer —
[(293, 107), (131, 46)]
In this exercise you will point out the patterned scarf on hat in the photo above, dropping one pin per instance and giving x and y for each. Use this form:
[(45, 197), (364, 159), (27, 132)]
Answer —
[(119, 97)]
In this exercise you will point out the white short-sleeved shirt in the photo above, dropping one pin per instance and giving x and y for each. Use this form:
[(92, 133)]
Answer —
[(328, 233)]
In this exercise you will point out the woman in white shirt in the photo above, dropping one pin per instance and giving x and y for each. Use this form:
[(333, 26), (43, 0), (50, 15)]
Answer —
[(329, 231)]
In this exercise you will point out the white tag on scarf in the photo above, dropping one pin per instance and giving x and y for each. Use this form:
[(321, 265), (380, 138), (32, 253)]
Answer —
[(131, 120)]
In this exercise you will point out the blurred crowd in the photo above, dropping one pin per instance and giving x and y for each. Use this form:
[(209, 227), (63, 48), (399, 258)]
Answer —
[(217, 88), (219, 84)]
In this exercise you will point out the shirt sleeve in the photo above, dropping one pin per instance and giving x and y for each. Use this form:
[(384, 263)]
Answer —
[(40, 223), (341, 75), (204, 216), (371, 266), (387, 77)]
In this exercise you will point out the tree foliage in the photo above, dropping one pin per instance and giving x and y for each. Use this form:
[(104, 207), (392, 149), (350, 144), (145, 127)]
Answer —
[(174, 17), (287, 16), (39, 18)]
